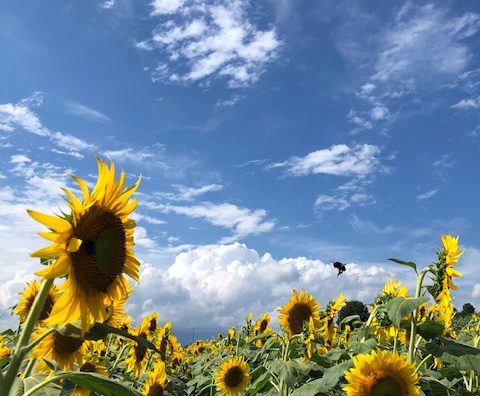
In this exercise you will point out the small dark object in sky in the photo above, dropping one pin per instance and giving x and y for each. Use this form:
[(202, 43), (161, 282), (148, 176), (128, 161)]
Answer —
[(341, 267)]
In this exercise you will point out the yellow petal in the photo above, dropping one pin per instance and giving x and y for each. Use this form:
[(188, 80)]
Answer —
[(51, 251), (74, 244), (54, 222), (57, 269)]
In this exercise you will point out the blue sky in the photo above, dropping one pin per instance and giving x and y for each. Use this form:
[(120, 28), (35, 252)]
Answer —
[(273, 137)]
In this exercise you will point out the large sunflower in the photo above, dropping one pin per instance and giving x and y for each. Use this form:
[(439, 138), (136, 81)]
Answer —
[(232, 377), (64, 350), (297, 312), (381, 374), (261, 327), (92, 247), (157, 379), (27, 297)]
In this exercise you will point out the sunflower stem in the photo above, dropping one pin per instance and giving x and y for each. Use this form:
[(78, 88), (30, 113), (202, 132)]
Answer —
[(413, 327), (424, 360), (20, 350), (53, 378), (30, 346), (29, 368), (120, 354)]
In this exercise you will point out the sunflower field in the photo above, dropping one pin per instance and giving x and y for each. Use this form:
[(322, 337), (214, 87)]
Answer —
[(75, 338)]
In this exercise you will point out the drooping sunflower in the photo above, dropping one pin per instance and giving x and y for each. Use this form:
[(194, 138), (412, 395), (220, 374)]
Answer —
[(157, 380), (139, 353), (381, 374), (150, 322), (92, 247), (328, 328), (64, 350), (232, 377), (27, 297), (89, 365), (297, 312)]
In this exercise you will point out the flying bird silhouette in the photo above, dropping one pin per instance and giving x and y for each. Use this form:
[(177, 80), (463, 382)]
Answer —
[(340, 267)]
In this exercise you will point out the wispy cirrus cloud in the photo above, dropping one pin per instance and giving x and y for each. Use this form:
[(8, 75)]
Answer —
[(427, 194), (242, 221), (21, 115), (185, 193), (420, 46), (202, 40), (86, 112)]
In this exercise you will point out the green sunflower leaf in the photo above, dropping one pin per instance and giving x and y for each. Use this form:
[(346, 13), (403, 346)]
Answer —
[(400, 307), (407, 263)]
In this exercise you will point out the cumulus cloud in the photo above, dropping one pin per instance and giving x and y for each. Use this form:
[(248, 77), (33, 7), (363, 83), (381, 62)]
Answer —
[(339, 160), (221, 284), (209, 39)]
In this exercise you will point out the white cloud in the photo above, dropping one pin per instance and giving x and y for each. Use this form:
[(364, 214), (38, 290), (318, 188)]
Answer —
[(339, 160), (368, 227), (204, 40), (189, 193), (379, 113), (107, 4), (467, 104), (331, 202), (161, 7), (221, 284), (446, 161), (21, 115), (427, 194), (425, 39), (242, 221), (85, 111)]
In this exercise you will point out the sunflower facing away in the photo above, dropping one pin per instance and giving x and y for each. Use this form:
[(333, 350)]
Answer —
[(64, 350), (381, 374), (139, 353), (27, 297), (297, 312), (92, 247), (157, 379), (232, 377)]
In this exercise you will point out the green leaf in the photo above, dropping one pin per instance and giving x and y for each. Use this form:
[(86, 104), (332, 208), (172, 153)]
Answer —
[(351, 318), (407, 263), (329, 380), (259, 384), (100, 384), (430, 329), (450, 347), (400, 307), (288, 371)]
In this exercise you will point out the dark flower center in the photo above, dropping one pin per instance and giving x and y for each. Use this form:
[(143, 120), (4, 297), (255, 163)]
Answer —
[(101, 257), (387, 386), (298, 315), (140, 349), (88, 368), (155, 390), (233, 377), (263, 325), (64, 346)]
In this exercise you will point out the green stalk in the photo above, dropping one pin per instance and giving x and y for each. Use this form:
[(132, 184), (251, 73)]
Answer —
[(120, 354), (413, 328), (53, 378), (29, 368), (421, 363), (20, 350)]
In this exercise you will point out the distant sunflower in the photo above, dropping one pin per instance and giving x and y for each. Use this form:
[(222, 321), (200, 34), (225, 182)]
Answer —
[(139, 353), (65, 351), (4, 349), (232, 377), (151, 322), (328, 328), (89, 365), (157, 379), (297, 312), (381, 374), (27, 297), (261, 327), (92, 247)]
